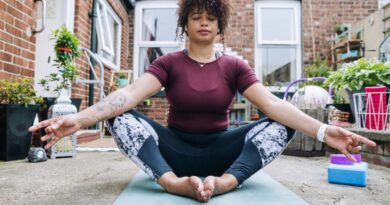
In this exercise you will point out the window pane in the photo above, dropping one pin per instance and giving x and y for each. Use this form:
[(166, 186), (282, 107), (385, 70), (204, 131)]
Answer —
[(159, 25), (103, 26), (148, 55), (111, 24), (278, 65), (277, 24)]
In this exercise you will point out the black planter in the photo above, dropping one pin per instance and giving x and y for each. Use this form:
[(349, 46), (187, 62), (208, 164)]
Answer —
[(15, 139)]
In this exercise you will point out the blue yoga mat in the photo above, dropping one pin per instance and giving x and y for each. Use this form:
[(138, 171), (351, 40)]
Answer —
[(259, 189)]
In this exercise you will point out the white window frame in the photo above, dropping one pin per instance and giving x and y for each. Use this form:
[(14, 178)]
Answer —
[(138, 42), (296, 6), (108, 47)]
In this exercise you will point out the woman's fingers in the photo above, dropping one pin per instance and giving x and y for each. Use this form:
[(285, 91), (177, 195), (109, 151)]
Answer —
[(357, 139), (41, 125), (47, 136), (366, 141)]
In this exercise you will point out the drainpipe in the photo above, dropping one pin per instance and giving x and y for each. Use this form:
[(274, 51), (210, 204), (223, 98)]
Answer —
[(93, 16)]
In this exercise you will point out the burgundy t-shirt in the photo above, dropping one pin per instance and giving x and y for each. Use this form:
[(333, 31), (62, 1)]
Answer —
[(200, 97)]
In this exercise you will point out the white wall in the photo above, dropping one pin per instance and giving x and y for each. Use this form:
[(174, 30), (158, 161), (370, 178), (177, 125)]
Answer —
[(58, 13)]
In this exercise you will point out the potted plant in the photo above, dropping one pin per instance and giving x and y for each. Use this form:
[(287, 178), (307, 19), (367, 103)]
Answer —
[(66, 49), (121, 80), (18, 107), (340, 28), (355, 76)]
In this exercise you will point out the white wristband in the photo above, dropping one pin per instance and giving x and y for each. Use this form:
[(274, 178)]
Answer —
[(321, 132)]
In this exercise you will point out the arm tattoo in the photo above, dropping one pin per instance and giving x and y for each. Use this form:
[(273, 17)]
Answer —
[(114, 102), (118, 103)]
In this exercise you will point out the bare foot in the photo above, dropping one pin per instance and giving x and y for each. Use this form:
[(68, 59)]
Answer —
[(184, 186), (219, 185)]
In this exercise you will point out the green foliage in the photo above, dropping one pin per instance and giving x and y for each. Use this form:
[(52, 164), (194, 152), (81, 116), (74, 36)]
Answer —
[(359, 74), (319, 68), (122, 76), (66, 49), (340, 28), (19, 91)]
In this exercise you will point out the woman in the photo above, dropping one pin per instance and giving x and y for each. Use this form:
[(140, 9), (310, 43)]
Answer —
[(200, 85)]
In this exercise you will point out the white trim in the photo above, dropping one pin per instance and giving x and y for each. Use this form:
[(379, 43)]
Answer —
[(138, 42), (296, 6), (69, 14), (108, 47)]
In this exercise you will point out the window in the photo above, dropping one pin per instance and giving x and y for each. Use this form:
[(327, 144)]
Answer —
[(109, 30), (278, 42), (155, 33)]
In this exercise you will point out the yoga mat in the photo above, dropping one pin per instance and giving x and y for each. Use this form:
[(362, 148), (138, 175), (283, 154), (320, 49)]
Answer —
[(259, 189)]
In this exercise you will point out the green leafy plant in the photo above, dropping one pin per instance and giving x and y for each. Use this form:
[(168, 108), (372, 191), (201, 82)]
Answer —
[(359, 74), (19, 91), (66, 48), (319, 68), (340, 28)]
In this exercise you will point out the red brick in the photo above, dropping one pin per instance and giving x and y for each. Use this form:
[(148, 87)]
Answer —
[(8, 18), (2, 6), (12, 49), (20, 61), (20, 24), (28, 54), (6, 57), (11, 68), (14, 12), (27, 72), (13, 31), (5, 75)]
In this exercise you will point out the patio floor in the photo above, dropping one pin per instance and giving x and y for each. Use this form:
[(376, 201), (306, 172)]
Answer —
[(99, 177)]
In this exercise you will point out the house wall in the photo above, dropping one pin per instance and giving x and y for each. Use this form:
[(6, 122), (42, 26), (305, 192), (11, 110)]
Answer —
[(17, 44), (373, 33), (82, 29), (326, 15)]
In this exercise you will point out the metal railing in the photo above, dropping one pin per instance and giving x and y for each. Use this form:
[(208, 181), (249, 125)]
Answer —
[(98, 80)]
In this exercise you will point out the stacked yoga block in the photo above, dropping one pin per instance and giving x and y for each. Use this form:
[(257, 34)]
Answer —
[(341, 170)]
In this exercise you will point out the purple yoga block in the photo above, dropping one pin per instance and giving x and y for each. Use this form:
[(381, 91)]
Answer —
[(342, 159)]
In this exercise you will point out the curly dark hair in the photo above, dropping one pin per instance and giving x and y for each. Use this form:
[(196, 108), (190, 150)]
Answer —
[(218, 8)]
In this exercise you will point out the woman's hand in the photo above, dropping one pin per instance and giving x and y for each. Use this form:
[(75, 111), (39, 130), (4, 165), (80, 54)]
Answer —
[(57, 128), (345, 141)]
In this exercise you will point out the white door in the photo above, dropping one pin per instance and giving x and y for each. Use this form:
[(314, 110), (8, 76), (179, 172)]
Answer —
[(58, 13)]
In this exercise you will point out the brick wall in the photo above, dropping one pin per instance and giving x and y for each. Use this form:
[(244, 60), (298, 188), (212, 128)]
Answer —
[(17, 45), (326, 15), (82, 29), (240, 33)]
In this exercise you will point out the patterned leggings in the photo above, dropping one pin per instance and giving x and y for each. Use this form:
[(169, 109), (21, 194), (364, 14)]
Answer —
[(240, 151)]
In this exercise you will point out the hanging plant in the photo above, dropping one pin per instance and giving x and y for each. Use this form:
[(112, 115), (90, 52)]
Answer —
[(66, 49)]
